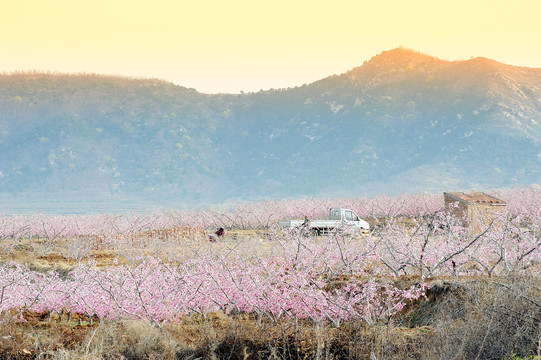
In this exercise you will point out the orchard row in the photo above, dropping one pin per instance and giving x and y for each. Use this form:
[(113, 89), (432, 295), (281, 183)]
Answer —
[(258, 215)]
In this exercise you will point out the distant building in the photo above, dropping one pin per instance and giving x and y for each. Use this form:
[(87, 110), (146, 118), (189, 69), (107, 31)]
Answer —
[(477, 210)]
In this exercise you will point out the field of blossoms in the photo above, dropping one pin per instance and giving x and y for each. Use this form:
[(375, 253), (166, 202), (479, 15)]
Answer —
[(419, 285)]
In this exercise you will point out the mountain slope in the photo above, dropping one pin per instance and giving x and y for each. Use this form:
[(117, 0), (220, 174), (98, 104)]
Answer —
[(403, 121), (403, 111)]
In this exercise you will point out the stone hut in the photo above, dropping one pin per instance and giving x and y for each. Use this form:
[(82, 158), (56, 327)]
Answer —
[(478, 210)]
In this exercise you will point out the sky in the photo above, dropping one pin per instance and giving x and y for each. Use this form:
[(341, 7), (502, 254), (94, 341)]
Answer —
[(230, 46)]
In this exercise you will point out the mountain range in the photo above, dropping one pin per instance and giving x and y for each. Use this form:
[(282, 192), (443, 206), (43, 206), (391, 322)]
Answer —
[(402, 122)]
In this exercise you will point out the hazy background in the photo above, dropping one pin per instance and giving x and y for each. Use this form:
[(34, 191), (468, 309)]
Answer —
[(240, 45), (109, 136)]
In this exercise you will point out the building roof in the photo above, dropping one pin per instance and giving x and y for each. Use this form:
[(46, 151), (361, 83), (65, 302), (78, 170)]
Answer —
[(475, 198)]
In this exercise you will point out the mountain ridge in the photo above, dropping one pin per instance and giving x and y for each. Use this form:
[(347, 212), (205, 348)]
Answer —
[(402, 114)]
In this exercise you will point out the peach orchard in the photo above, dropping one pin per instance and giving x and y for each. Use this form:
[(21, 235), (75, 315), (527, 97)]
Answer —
[(281, 274)]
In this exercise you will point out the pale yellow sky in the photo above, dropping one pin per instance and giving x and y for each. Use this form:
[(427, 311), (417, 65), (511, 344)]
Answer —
[(233, 45)]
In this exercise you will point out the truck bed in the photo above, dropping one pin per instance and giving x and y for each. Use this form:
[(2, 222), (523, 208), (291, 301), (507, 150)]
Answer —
[(290, 223), (313, 224)]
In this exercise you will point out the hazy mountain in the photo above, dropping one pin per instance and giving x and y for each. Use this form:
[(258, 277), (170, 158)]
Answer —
[(403, 121)]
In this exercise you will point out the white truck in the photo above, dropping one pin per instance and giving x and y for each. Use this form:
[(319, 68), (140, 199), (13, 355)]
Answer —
[(339, 219)]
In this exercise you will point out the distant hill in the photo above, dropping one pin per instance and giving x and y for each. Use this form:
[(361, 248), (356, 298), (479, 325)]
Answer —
[(401, 122)]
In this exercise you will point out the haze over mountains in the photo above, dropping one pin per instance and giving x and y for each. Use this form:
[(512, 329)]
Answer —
[(401, 122)]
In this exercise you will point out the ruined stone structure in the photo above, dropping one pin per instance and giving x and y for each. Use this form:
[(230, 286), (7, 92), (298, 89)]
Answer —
[(477, 210)]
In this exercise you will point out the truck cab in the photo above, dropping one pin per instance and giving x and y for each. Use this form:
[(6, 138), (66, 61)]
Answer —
[(342, 214)]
